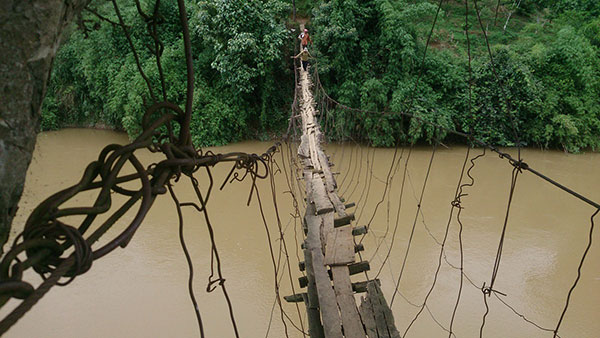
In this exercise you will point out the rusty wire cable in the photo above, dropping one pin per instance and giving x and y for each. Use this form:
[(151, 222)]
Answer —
[(419, 204), (59, 251), (475, 141), (273, 261), (188, 259), (579, 267), (489, 289), (518, 165), (386, 196), (455, 204), (470, 184)]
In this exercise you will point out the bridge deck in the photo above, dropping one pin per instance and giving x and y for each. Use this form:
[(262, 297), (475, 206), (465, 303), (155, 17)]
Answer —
[(329, 248)]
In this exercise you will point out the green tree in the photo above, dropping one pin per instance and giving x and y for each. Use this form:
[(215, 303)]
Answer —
[(239, 48), (569, 69)]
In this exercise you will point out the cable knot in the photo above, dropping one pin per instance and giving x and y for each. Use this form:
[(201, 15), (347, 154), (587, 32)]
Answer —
[(487, 291), (456, 203), (212, 284), (519, 165), (56, 237)]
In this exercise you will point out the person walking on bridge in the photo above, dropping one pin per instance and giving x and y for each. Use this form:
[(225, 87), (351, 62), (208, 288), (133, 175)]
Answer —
[(304, 55), (305, 39)]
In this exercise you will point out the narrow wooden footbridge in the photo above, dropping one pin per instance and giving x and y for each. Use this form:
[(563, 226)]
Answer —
[(329, 247), (63, 235)]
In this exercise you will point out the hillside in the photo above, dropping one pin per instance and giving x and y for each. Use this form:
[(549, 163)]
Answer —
[(545, 78)]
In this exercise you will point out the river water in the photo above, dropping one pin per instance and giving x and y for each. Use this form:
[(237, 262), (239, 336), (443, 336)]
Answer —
[(141, 291)]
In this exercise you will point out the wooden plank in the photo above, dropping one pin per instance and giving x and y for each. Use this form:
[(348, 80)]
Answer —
[(324, 210), (374, 307), (338, 205), (357, 287), (359, 231), (295, 298), (308, 182), (322, 203), (326, 228), (382, 327), (345, 220), (315, 328), (330, 183), (367, 317), (303, 150), (340, 247), (332, 325), (313, 143), (359, 267), (360, 287), (327, 301), (345, 298), (386, 311)]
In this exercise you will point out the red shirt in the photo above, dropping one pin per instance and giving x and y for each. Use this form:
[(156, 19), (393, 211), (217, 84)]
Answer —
[(306, 39)]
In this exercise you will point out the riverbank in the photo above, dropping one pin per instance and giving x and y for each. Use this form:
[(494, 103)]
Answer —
[(276, 137)]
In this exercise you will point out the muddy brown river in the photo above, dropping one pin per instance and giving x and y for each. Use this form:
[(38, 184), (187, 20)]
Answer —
[(141, 291)]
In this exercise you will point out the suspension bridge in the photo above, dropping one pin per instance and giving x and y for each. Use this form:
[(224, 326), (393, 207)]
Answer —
[(60, 250), (329, 248)]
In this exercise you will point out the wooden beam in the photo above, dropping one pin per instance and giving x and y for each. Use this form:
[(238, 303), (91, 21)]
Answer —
[(357, 287), (315, 328), (330, 182), (359, 231), (303, 148), (324, 211), (319, 196), (344, 220), (345, 298), (359, 267), (358, 247), (332, 325), (367, 317), (360, 287), (296, 298), (376, 314), (353, 269)]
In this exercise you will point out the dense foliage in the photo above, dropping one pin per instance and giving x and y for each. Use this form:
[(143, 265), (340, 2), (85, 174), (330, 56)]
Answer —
[(241, 68), (542, 88)]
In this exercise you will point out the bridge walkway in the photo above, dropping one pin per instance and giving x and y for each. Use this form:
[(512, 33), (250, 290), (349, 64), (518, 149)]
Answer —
[(329, 247)]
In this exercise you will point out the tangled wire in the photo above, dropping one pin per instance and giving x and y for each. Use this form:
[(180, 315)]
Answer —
[(59, 250)]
